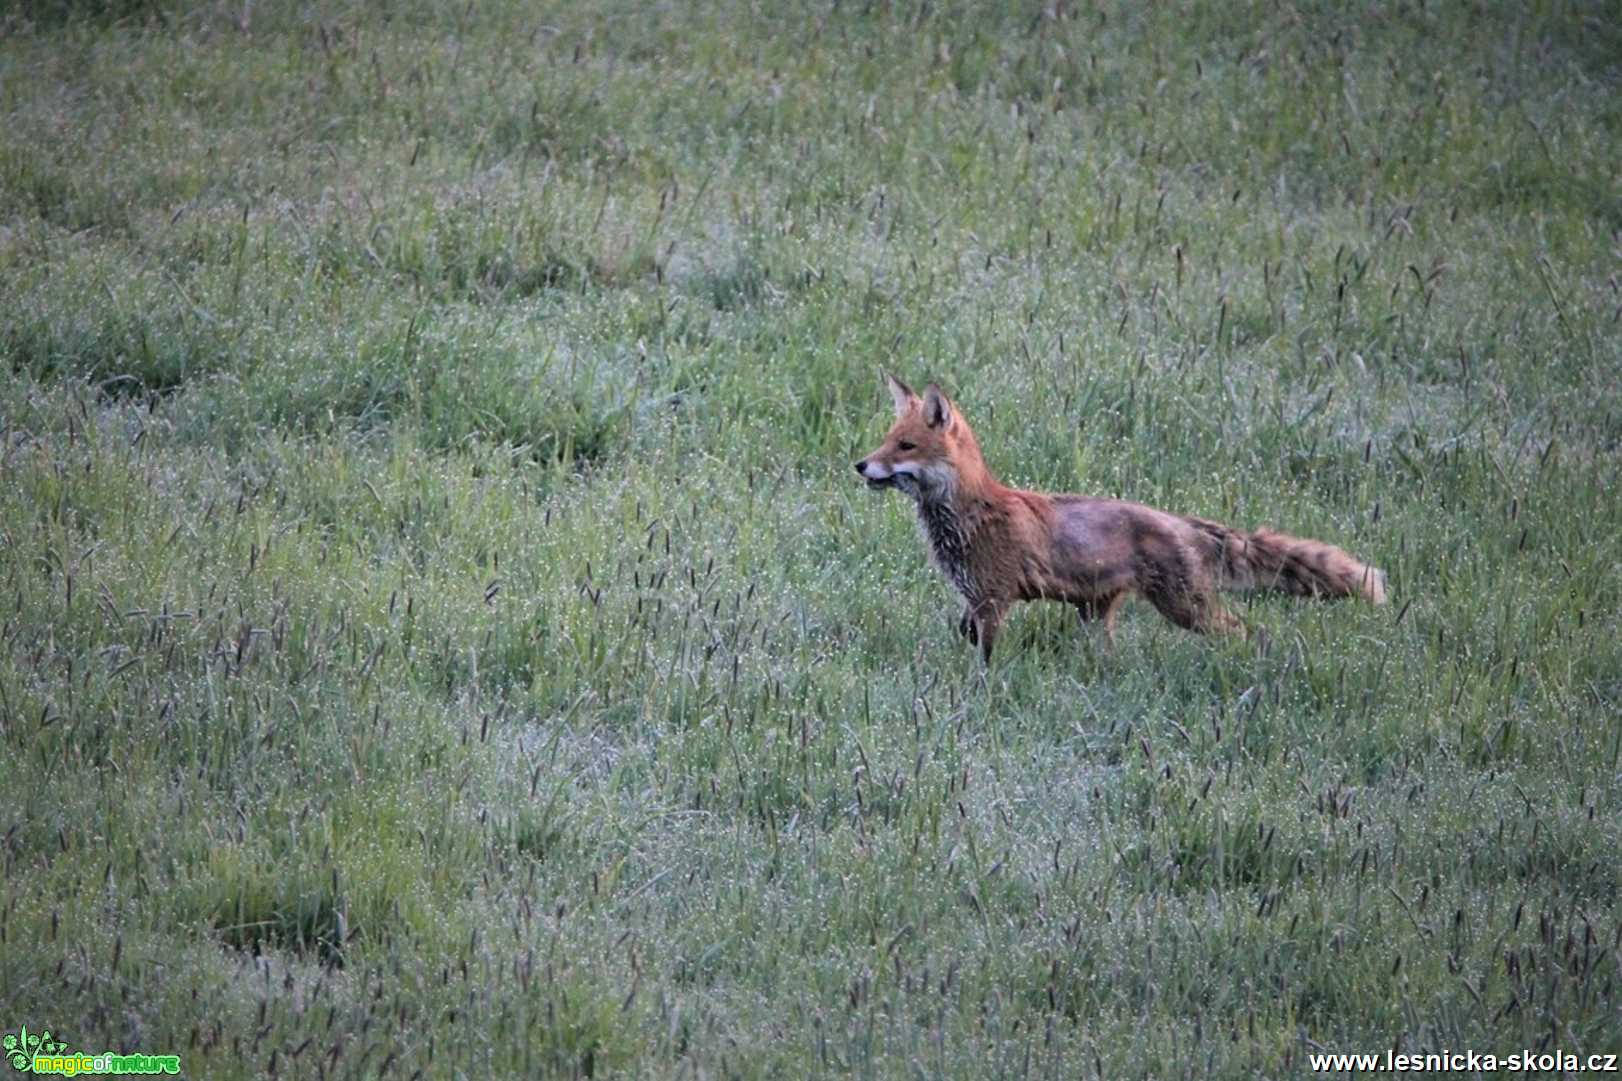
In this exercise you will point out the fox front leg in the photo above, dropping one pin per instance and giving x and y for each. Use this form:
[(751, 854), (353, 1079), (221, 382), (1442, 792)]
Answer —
[(979, 625), (966, 627)]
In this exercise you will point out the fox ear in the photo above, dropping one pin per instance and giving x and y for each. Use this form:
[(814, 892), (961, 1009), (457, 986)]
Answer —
[(901, 393), (937, 410)]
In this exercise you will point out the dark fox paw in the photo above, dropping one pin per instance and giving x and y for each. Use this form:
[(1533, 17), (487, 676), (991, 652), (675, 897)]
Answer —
[(967, 628)]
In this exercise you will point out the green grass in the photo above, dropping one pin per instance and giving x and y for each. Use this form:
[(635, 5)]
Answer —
[(441, 635)]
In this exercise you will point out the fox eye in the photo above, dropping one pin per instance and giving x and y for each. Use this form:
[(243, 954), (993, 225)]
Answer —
[(904, 445)]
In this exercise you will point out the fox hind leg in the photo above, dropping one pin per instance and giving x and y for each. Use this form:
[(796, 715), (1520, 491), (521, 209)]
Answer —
[(1102, 609), (1220, 619), (1195, 611)]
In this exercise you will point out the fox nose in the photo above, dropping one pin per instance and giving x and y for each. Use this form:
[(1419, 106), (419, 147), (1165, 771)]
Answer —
[(861, 467)]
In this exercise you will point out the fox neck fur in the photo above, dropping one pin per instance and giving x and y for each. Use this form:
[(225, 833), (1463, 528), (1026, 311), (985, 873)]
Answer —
[(949, 536)]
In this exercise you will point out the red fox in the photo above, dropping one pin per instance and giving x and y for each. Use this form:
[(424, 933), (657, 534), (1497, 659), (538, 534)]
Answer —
[(999, 544)]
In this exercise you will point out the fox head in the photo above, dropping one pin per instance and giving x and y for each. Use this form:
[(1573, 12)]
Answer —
[(926, 450)]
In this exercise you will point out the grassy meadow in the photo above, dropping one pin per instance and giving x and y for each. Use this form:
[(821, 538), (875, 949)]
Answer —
[(442, 635)]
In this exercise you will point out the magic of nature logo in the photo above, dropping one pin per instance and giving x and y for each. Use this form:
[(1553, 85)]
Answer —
[(42, 1053)]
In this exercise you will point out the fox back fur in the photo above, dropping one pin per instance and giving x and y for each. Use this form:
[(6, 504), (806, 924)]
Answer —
[(999, 545)]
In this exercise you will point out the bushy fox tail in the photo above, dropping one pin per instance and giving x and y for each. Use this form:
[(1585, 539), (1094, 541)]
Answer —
[(1265, 560)]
